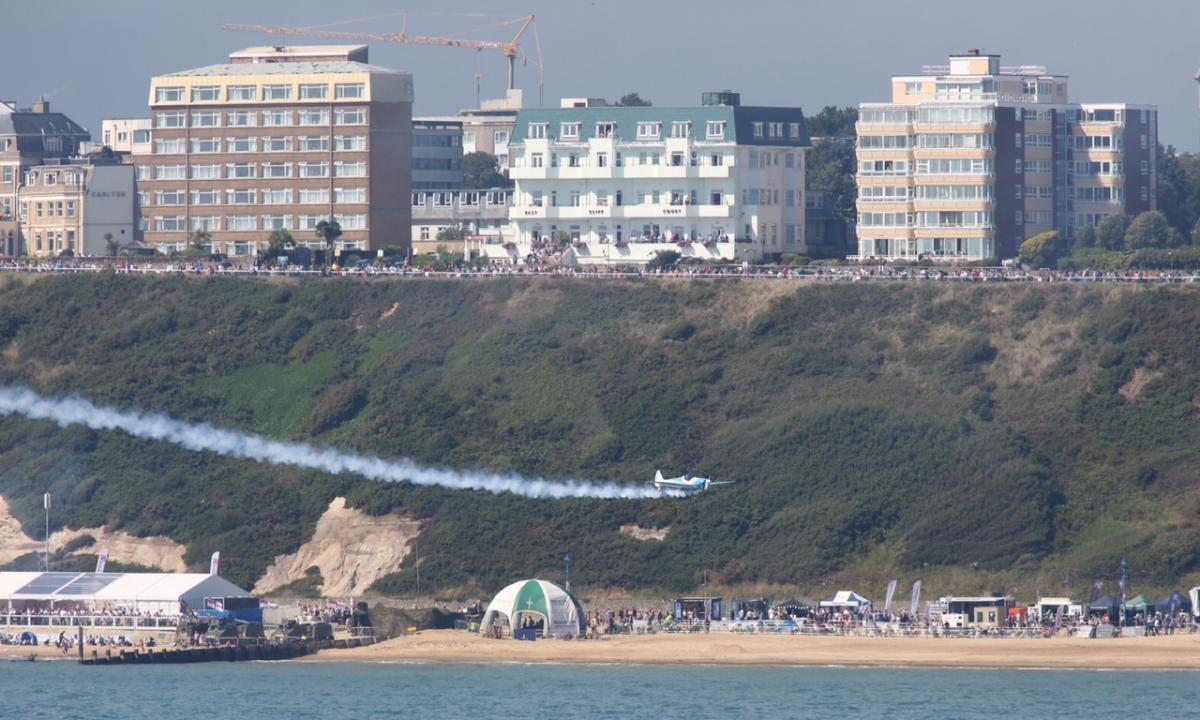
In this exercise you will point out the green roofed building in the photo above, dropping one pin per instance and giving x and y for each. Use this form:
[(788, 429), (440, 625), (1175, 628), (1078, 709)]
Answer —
[(719, 182), (539, 603)]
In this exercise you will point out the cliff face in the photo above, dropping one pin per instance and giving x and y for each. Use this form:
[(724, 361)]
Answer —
[(993, 435)]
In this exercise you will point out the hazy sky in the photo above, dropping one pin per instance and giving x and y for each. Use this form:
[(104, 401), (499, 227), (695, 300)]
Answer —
[(94, 60)]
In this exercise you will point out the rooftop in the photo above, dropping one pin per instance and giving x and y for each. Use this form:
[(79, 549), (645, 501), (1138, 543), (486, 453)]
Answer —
[(297, 50), (342, 67)]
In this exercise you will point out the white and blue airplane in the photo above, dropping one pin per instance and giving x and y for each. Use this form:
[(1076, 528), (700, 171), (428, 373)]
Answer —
[(685, 483)]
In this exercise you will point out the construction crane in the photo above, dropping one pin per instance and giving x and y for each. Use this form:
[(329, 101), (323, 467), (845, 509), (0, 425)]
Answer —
[(511, 49)]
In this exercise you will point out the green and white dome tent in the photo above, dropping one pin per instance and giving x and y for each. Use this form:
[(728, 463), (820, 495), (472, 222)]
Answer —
[(540, 600)]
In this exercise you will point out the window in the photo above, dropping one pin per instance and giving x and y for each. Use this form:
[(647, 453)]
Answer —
[(601, 159), (169, 94), (206, 93), (350, 116), (350, 143), (715, 130), (605, 130), (206, 197), (309, 222), (241, 223), (316, 143), (241, 92), (314, 169), (314, 196), (569, 131), (1019, 166), (210, 223), (537, 131), (500, 137), (277, 170), (241, 171), (789, 161), (242, 196), (681, 129), (277, 92), (70, 208), (277, 222), (648, 130), (537, 160), (575, 198), (1020, 218), (278, 143), (350, 195), (1145, 167), (206, 145), (351, 222), (242, 144), (169, 224), (277, 196), (169, 119), (758, 129), (169, 172), (350, 169), (350, 91), (143, 172), (314, 92), (573, 160), (468, 138), (676, 159), (313, 117), (141, 137), (277, 118), (242, 118)]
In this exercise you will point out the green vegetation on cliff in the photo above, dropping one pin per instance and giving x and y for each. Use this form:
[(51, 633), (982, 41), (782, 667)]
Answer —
[(1012, 432)]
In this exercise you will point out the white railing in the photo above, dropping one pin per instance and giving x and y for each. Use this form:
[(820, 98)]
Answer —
[(132, 622)]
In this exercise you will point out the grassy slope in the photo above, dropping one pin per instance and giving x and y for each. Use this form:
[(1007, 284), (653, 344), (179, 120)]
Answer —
[(963, 432)]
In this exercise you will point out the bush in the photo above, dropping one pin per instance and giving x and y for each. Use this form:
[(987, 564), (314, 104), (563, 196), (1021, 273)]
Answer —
[(663, 260), (1110, 233), (1151, 230), (1041, 251)]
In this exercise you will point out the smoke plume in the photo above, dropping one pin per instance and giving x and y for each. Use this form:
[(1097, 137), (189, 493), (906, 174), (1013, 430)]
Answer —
[(202, 437)]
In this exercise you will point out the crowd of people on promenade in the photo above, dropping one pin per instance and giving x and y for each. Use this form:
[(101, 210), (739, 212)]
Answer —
[(823, 272)]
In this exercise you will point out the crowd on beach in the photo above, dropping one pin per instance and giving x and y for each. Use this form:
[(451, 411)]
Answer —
[(816, 273)]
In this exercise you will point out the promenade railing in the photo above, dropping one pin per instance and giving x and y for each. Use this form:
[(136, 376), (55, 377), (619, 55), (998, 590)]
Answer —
[(106, 622)]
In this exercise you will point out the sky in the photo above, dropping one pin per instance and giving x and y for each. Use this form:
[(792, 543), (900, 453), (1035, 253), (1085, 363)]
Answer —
[(94, 60)]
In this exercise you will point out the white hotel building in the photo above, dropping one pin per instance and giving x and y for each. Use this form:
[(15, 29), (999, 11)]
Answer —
[(716, 182)]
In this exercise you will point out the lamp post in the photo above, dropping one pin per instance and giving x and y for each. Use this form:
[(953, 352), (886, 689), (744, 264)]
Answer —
[(567, 559), (46, 507), (1124, 587)]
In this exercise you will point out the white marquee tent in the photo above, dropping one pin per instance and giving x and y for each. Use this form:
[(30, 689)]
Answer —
[(163, 593), (540, 600), (845, 599)]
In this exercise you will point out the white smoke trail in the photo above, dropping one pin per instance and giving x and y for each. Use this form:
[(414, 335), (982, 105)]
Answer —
[(202, 437)]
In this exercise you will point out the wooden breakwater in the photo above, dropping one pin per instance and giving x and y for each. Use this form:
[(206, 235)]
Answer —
[(233, 653)]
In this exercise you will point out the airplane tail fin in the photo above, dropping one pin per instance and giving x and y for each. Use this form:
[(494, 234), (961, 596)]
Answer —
[(658, 476)]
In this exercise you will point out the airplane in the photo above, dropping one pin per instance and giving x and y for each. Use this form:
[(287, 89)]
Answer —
[(685, 483)]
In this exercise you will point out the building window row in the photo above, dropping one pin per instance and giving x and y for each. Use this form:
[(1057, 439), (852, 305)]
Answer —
[(647, 131), (247, 223), (467, 198), (267, 91), (270, 144), (247, 196), (48, 209), (315, 117)]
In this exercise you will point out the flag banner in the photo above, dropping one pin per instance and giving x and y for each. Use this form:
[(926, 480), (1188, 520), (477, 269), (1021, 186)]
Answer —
[(1058, 620), (46, 501), (891, 592), (102, 560), (214, 565), (916, 598)]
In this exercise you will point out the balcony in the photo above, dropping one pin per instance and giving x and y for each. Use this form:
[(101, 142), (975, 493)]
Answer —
[(618, 172)]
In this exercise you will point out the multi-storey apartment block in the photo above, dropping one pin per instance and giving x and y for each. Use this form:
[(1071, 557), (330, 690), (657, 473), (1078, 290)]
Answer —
[(279, 138), (720, 181), (968, 161), (437, 154), (28, 138), (125, 136), (482, 215)]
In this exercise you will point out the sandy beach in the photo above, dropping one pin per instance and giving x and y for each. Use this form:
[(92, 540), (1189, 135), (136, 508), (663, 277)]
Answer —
[(1173, 652)]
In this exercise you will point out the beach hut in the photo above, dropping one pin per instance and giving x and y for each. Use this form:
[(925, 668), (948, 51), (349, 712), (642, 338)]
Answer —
[(535, 607)]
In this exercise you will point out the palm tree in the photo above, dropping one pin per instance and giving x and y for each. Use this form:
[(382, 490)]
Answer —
[(279, 241), (329, 231)]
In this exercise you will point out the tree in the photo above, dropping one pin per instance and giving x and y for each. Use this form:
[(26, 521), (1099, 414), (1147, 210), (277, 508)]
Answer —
[(1110, 233), (279, 242), (833, 122), (1041, 251), (663, 260), (200, 239), (482, 170), (112, 244), (450, 234), (831, 170), (562, 238), (1149, 230), (1086, 237), (329, 231), (632, 99)]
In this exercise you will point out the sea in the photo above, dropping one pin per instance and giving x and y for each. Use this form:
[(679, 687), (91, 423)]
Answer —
[(268, 690)]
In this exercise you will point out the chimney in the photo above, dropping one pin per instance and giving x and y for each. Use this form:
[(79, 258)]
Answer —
[(41, 105)]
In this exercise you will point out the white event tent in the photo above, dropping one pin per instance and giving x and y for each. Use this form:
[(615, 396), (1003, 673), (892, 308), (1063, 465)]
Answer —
[(845, 599), (146, 593)]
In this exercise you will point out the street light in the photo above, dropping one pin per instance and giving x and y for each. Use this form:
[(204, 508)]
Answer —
[(46, 506)]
